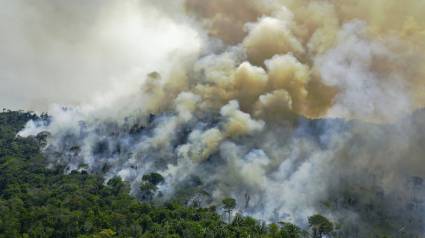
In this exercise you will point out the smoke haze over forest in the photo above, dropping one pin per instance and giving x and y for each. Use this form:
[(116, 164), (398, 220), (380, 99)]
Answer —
[(291, 107)]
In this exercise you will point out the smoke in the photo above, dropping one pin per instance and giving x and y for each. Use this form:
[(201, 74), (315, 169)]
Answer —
[(364, 93), (291, 107), (72, 52)]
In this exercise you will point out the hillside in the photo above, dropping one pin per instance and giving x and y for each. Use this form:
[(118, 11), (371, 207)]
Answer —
[(36, 201), (39, 200)]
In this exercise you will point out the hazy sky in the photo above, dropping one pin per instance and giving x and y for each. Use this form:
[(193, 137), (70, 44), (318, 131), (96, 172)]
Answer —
[(67, 52)]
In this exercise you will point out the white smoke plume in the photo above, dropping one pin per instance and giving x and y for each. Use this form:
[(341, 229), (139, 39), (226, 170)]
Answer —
[(85, 49), (291, 107)]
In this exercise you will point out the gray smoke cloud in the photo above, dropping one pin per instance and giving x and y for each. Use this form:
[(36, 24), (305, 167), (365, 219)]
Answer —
[(297, 108)]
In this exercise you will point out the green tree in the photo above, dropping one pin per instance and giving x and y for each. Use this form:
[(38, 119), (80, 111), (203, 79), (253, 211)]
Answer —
[(148, 186), (116, 184), (153, 178), (320, 225), (229, 204), (289, 230)]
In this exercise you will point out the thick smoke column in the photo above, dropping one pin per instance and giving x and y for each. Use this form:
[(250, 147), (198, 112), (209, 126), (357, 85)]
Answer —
[(292, 107)]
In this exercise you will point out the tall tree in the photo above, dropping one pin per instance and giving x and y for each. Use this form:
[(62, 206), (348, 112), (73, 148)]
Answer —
[(229, 204), (320, 226), (149, 185)]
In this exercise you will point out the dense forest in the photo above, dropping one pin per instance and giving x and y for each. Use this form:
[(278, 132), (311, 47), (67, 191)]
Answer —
[(39, 201)]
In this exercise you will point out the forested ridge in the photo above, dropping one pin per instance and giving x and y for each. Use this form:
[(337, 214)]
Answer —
[(38, 201)]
